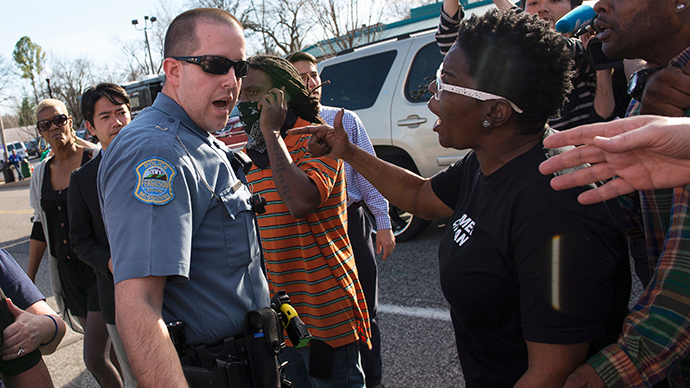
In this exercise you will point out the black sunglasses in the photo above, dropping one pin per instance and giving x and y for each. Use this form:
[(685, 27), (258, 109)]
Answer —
[(44, 125), (215, 64)]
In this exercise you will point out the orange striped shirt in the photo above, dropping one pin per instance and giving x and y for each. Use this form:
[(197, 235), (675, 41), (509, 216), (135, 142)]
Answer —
[(311, 258)]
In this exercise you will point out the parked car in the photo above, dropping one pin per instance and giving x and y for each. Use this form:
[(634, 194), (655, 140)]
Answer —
[(233, 134), (35, 147)]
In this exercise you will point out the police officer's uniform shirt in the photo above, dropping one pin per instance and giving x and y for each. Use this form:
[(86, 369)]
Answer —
[(163, 220)]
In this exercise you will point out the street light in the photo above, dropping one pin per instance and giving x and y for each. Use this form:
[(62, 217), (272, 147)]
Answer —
[(148, 23), (46, 74)]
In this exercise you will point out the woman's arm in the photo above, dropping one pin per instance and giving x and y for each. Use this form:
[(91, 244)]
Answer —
[(36, 251), (550, 364), (401, 187)]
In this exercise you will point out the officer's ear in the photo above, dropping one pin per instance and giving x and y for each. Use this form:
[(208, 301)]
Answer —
[(172, 68)]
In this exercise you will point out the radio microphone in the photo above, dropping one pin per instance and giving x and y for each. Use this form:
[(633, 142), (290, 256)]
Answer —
[(577, 18)]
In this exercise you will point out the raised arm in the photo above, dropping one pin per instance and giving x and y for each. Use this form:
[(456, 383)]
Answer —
[(401, 187), (140, 322), (667, 92), (296, 189)]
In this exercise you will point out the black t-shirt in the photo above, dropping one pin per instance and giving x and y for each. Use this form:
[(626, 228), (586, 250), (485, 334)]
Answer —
[(502, 279), (54, 204)]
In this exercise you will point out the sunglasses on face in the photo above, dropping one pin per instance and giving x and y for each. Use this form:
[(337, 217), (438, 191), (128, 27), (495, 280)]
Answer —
[(472, 93), (44, 125), (214, 64)]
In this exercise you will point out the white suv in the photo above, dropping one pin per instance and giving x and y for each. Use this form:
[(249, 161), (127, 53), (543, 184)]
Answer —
[(18, 146), (385, 83)]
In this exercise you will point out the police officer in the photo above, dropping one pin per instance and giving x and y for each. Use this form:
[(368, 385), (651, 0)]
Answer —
[(182, 232)]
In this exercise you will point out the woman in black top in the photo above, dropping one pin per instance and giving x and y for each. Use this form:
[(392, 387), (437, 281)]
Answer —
[(74, 282), (536, 282)]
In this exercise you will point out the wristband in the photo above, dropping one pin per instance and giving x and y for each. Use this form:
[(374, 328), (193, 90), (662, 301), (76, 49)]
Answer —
[(56, 330)]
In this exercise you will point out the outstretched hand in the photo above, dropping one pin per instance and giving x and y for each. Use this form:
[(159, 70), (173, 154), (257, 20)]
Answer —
[(640, 153), (326, 140)]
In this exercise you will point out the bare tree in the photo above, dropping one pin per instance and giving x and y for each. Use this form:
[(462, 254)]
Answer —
[(278, 26), (136, 64), (71, 78), (282, 24), (6, 76), (348, 23)]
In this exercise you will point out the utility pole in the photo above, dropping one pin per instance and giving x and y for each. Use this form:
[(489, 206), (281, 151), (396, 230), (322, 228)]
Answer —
[(148, 23)]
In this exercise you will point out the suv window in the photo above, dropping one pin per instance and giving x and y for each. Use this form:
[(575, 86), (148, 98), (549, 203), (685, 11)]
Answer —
[(422, 72), (356, 84)]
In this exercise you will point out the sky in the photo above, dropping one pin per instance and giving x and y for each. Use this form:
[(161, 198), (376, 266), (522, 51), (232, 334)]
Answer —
[(75, 28), (71, 29)]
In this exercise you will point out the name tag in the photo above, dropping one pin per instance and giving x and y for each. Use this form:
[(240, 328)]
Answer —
[(236, 186)]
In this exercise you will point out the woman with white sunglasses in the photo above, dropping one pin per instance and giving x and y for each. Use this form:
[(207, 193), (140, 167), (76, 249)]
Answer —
[(535, 280)]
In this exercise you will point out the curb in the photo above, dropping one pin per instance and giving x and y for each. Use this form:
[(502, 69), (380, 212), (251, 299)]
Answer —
[(26, 182)]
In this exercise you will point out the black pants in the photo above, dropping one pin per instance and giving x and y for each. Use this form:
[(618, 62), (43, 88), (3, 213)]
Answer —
[(360, 231)]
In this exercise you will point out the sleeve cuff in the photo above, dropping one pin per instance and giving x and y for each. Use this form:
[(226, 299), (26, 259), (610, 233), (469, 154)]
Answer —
[(615, 367), (383, 222), (455, 19)]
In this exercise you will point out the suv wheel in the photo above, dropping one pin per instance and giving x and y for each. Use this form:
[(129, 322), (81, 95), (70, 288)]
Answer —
[(405, 225)]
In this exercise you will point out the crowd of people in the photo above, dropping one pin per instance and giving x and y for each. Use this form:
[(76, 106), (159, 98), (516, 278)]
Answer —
[(169, 251)]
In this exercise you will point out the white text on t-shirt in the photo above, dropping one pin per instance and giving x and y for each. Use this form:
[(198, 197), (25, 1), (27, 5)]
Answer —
[(462, 229)]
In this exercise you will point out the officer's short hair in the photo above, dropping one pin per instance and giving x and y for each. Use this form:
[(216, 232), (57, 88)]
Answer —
[(114, 93), (300, 56), (179, 41)]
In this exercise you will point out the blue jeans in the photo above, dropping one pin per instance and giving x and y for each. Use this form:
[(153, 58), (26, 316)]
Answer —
[(346, 373)]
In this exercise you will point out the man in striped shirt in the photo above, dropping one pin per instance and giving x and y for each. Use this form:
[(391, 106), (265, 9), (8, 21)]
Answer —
[(304, 229), (360, 193)]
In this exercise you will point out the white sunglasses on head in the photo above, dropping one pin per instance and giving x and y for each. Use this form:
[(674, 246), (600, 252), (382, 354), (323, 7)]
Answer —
[(476, 94)]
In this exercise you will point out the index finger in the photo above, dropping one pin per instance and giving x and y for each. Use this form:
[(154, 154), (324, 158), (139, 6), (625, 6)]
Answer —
[(578, 135)]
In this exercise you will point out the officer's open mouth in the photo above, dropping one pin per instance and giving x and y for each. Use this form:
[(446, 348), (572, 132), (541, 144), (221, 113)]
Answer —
[(221, 104)]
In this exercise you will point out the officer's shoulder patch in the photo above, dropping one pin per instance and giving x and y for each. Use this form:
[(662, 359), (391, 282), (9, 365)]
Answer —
[(154, 181)]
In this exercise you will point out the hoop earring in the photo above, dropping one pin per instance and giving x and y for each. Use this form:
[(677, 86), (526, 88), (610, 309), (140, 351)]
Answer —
[(486, 124)]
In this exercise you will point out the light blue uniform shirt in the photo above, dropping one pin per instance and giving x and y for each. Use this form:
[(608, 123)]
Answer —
[(163, 220)]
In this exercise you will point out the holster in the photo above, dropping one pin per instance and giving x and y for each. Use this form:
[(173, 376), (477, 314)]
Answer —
[(263, 339), (242, 361)]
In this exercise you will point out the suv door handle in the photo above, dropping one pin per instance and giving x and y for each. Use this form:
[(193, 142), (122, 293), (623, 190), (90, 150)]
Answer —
[(412, 121)]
